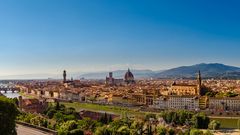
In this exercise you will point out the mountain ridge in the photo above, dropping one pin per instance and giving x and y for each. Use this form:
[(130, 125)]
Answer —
[(208, 70)]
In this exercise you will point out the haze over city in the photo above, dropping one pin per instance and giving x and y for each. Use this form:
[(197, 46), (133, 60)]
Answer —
[(45, 37)]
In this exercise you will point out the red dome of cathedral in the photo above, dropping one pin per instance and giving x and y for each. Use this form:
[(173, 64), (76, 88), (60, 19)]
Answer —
[(129, 76)]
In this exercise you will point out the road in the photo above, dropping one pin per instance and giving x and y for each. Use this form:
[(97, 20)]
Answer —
[(223, 117), (227, 132), (22, 130)]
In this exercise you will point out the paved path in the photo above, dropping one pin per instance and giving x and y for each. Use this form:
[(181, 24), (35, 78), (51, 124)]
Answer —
[(22, 130), (228, 132)]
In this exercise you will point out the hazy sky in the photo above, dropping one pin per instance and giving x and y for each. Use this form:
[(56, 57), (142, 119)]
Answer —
[(47, 36)]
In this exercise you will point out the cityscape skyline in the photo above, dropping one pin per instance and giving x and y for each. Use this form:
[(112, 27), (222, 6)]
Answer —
[(91, 36), (119, 67)]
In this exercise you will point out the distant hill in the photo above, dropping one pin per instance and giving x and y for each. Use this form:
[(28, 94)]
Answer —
[(212, 70), (119, 74), (27, 76)]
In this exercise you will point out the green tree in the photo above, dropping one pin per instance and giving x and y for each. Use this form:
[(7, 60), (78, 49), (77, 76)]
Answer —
[(25, 117), (149, 129), (171, 131), (170, 117), (59, 117), (15, 100), (150, 116), (76, 132), (187, 132), (196, 132), (137, 127), (184, 117), (105, 118), (102, 131), (57, 106), (35, 121), (69, 110), (230, 94), (110, 119), (180, 117), (69, 117), (50, 113), (66, 127), (200, 121), (123, 130), (8, 114), (88, 124), (208, 133), (161, 130), (214, 125)]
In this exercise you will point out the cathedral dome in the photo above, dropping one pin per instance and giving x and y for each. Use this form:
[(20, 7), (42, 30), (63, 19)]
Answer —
[(129, 76)]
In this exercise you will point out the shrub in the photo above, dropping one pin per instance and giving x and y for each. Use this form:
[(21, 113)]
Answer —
[(214, 125)]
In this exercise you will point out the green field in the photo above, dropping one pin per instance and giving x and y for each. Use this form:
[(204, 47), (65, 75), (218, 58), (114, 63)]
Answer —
[(103, 108), (227, 122)]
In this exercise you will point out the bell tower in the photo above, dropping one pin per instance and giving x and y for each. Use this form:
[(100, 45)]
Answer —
[(199, 82), (199, 78), (64, 76)]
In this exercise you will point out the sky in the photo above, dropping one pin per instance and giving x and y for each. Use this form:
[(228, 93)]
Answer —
[(48, 36)]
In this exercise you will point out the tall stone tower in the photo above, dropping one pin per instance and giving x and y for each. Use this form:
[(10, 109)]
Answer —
[(64, 76), (199, 82), (199, 78), (110, 74)]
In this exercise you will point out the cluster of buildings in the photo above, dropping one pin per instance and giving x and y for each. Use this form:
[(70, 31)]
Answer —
[(178, 96), (157, 94), (226, 103), (190, 97), (128, 79), (74, 90), (32, 105)]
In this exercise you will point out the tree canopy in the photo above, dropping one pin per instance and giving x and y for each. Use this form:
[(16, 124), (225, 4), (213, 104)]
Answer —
[(8, 114)]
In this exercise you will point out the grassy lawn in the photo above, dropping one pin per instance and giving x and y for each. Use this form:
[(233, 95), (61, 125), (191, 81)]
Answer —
[(103, 108), (230, 123), (227, 122)]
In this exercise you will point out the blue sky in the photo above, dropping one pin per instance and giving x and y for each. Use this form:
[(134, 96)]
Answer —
[(47, 36)]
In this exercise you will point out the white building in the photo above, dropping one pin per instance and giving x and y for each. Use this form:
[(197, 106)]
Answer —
[(177, 102), (160, 103), (225, 104)]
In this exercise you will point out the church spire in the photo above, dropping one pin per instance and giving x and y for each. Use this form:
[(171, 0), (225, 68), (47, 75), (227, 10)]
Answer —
[(199, 81), (199, 78)]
